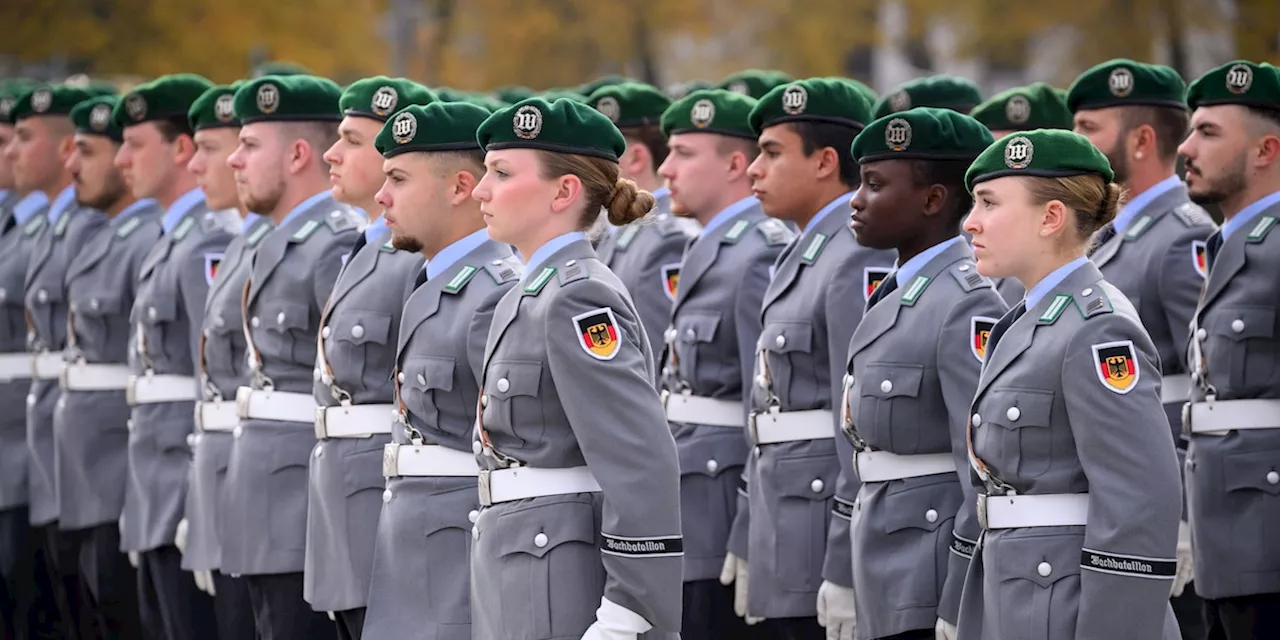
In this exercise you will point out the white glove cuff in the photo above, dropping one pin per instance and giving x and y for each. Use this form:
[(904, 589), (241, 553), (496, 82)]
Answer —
[(616, 617)]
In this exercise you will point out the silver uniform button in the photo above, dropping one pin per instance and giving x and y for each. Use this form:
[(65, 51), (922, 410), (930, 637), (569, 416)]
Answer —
[(237, 432), (357, 332), (931, 516), (473, 515), (1273, 477), (886, 386), (690, 334), (255, 322), (1201, 333), (1237, 325), (1013, 414), (422, 380), (191, 439), (280, 318), (1087, 292), (570, 263), (817, 485), (781, 341), (31, 399), (324, 333), (540, 540), (217, 322), (484, 401), (976, 420), (712, 465), (476, 447), (400, 377), (151, 313), (503, 385), (42, 296), (94, 304), (315, 374), (387, 495), (670, 334), (1044, 569), (964, 267)]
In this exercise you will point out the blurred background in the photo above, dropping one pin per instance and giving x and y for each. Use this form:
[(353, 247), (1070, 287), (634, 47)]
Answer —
[(483, 44)]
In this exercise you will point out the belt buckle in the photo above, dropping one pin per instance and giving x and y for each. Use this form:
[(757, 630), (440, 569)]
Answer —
[(131, 391), (390, 460), (242, 402), (484, 489), (752, 429), (322, 429), (64, 377), (982, 511), (1186, 419)]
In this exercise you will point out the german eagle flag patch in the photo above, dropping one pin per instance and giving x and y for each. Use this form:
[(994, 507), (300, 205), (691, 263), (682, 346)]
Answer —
[(871, 278), (598, 333), (980, 332), (671, 279), (1117, 364), (1200, 257), (211, 263)]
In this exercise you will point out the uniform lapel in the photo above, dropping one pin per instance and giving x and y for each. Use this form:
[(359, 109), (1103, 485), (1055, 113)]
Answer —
[(796, 256), (425, 301), (1226, 264), (42, 250), (359, 267), (509, 306), (272, 249), (702, 253), (1108, 250)]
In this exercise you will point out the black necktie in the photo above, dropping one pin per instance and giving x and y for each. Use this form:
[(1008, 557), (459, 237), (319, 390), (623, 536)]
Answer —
[(422, 278), (886, 287), (1211, 248), (1104, 235), (1003, 325)]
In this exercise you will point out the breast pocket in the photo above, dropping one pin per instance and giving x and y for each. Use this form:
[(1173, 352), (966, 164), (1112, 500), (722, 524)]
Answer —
[(888, 414), (427, 381), (1240, 345), (788, 347), (1019, 427), (1037, 590), (511, 399), (93, 316), (695, 335), (156, 316), (358, 340), (224, 348), (286, 323)]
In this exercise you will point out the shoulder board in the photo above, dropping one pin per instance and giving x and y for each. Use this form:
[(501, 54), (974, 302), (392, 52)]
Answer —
[(502, 271), (461, 279), (1192, 215), (34, 224), (539, 281), (125, 229), (65, 220), (306, 231), (1139, 227), (1055, 309), (256, 235), (775, 232), (912, 292), (1093, 301), (573, 271), (814, 248), (343, 219), (966, 274), (184, 228), (627, 235), (1260, 229)]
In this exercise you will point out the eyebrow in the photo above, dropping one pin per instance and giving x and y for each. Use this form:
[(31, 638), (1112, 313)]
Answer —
[(770, 143)]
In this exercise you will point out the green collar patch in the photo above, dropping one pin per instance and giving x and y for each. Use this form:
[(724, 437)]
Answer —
[(627, 236), (65, 219), (259, 232), (33, 225), (815, 248), (184, 228), (306, 231), (1261, 229), (535, 286), (735, 232), (913, 292), (459, 281), (387, 246), (127, 228), (1055, 309), (1140, 227)]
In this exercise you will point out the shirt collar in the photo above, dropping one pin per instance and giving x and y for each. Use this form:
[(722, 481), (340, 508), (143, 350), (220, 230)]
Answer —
[(450, 255), (304, 205), (660, 193), (908, 271), (1042, 288), (555, 244), (61, 203), (28, 206), (375, 228), (4, 193), (133, 209), (249, 219), (826, 211), (180, 208), (729, 212), (1245, 215), (1135, 205)]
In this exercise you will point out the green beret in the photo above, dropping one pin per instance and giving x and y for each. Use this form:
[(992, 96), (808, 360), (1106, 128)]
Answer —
[(279, 69), (828, 100), (942, 92), (630, 104), (564, 126), (1122, 82), (215, 108), (485, 102), (1241, 82), (588, 88), (379, 97), (1035, 106), (437, 126), (94, 117), (717, 111), (161, 99), (10, 91), (682, 89), (1043, 153), (297, 98), (563, 94), (512, 94), (922, 133), (866, 90), (754, 82), (47, 100)]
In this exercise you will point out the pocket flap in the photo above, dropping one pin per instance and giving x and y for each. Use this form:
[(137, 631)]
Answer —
[(1254, 470), (787, 337), (363, 469), (157, 310), (708, 457), (699, 327), (283, 315), (95, 306), (507, 379), (427, 373), (1017, 408), (886, 380), (539, 529), (811, 478), (1242, 323), (921, 503), (1058, 556), (362, 327)]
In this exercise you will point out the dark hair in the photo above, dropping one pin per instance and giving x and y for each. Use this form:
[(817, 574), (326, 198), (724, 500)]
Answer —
[(727, 145), (1272, 116), (650, 135), (815, 136), (949, 174), (173, 126), (471, 160), (1171, 125)]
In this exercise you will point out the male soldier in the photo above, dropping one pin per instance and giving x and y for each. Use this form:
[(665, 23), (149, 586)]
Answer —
[(91, 420), (1233, 478), (43, 142), (754, 83), (1035, 106), (1154, 251), (806, 175), (286, 123), (711, 339), (221, 362), (941, 92), (645, 254), (167, 314), (432, 163), (356, 356)]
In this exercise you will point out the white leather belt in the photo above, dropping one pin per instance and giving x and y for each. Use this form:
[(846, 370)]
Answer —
[(427, 460), (1046, 510), (82, 376), (275, 405), (47, 365), (154, 388), (354, 421), (1224, 416), (15, 366), (882, 466), (508, 485), (791, 426), (1175, 388), (692, 409), (216, 415)]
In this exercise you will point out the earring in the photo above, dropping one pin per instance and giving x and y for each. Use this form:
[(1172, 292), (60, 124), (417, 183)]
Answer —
[(1138, 155)]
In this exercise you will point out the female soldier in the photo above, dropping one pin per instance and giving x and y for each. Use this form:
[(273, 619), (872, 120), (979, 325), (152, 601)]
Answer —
[(579, 485), (1076, 472), (913, 367)]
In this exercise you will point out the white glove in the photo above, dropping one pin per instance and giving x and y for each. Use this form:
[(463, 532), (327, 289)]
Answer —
[(199, 577), (180, 538), (836, 611), (734, 572), (944, 630), (1186, 563), (208, 583), (616, 622), (133, 559)]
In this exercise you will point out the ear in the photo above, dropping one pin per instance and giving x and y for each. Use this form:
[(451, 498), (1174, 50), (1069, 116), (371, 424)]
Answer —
[(935, 199), (828, 163), (66, 147), (464, 182), (299, 155), (568, 189), (184, 148), (1055, 219), (738, 165), (637, 159), (1144, 141), (1268, 151)]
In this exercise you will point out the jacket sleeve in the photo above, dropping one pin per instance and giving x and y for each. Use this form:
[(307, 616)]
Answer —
[(618, 421), (1126, 450)]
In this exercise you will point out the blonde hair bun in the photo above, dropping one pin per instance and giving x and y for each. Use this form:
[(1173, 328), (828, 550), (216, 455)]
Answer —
[(628, 203)]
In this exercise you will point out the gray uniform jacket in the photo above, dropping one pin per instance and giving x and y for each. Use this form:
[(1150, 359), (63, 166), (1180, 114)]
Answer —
[(358, 333), (167, 317), (913, 367), (44, 294), (1010, 290), (91, 428), (264, 525), (222, 368), (16, 247), (421, 568), (646, 256), (711, 345), (1233, 478), (811, 308), (1069, 403), (550, 401)]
